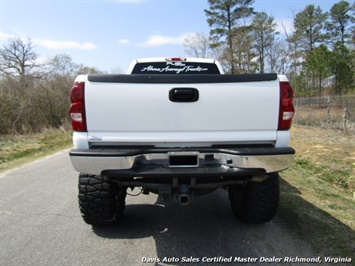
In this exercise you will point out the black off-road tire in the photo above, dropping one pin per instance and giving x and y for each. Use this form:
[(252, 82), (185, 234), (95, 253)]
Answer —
[(256, 202), (101, 201)]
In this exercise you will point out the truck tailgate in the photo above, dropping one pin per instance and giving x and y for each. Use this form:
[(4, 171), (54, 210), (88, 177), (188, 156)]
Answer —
[(142, 112)]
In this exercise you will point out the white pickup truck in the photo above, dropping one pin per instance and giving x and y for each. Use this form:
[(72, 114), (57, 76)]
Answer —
[(180, 127)]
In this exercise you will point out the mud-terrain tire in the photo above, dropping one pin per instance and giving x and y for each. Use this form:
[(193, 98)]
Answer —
[(101, 201), (255, 202)]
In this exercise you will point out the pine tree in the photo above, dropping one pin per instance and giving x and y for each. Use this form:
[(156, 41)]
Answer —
[(224, 17), (318, 64), (341, 68), (264, 29), (309, 25), (339, 21)]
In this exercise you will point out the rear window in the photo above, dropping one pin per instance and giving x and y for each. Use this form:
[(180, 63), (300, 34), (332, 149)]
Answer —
[(175, 68)]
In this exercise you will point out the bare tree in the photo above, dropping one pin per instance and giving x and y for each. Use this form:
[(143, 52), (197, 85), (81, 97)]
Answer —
[(89, 70), (18, 57), (197, 45), (116, 70), (278, 57), (33, 96), (62, 65)]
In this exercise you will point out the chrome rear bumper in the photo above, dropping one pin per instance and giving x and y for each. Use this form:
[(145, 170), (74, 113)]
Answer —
[(155, 162)]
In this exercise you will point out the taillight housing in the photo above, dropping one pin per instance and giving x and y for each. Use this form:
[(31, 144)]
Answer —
[(287, 109), (176, 59), (77, 107)]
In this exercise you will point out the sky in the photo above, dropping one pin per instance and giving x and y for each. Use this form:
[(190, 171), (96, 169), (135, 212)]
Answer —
[(108, 35)]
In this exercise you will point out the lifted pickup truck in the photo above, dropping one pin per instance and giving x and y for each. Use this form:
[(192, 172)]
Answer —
[(180, 127)]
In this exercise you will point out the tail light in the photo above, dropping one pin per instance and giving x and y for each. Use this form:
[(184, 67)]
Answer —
[(77, 107), (286, 107)]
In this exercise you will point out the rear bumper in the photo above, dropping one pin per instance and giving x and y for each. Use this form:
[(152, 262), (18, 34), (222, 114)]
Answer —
[(182, 162)]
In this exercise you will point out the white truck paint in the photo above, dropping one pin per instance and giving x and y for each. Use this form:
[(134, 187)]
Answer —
[(179, 126)]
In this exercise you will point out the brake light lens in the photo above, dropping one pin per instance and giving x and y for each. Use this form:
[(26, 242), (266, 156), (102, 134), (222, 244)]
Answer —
[(176, 59), (287, 109), (77, 107)]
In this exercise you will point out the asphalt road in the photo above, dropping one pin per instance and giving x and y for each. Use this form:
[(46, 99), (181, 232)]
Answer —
[(40, 224)]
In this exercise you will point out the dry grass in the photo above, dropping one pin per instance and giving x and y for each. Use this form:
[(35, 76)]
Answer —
[(326, 112), (317, 190), (332, 119), (329, 154), (20, 149)]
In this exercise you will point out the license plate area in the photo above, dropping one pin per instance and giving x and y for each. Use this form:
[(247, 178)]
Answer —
[(183, 160)]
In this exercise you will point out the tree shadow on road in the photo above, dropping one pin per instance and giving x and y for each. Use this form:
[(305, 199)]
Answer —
[(207, 228), (204, 228)]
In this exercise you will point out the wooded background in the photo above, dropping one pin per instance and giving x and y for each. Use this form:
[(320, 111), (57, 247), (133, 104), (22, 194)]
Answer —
[(317, 55)]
